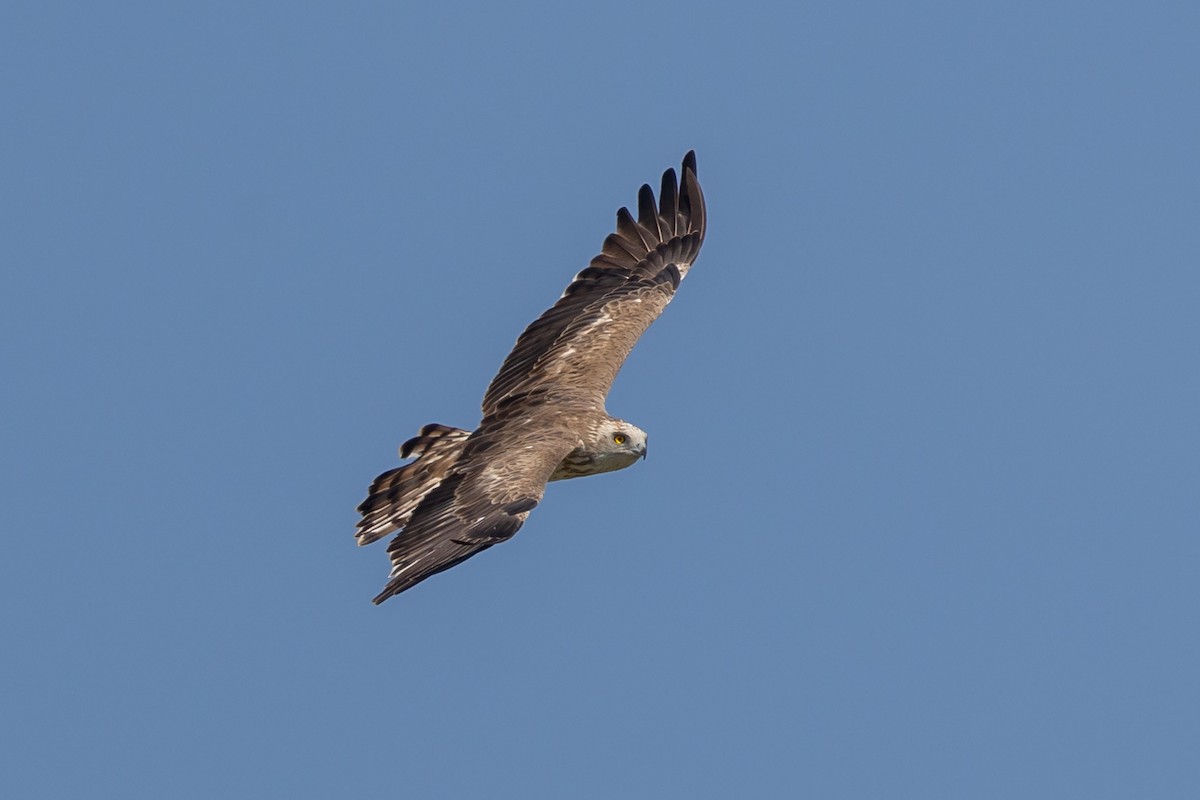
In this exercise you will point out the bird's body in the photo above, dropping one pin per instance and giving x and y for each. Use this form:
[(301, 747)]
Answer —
[(543, 414)]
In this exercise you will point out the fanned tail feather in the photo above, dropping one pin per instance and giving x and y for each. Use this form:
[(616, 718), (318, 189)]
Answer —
[(395, 494)]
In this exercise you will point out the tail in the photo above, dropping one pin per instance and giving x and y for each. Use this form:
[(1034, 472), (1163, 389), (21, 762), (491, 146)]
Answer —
[(395, 494)]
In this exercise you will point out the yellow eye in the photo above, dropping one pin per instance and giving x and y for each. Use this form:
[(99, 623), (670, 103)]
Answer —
[(618, 438)]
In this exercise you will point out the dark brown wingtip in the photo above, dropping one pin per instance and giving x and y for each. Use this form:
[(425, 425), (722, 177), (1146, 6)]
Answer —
[(668, 202), (689, 163), (691, 201), (648, 209)]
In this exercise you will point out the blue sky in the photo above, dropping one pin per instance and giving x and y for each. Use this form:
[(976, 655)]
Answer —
[(921, 514)]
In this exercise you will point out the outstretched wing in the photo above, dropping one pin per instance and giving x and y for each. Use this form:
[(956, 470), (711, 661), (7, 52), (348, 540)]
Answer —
[(584, 338), (500, 477)]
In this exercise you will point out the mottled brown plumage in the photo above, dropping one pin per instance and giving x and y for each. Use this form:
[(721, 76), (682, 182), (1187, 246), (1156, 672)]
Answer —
[(395, 494), (543, 414)]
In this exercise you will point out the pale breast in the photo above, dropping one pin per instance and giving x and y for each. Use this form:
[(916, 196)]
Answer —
[(580, 462)]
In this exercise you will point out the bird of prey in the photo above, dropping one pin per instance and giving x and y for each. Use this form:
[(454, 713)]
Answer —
[(543, 414)]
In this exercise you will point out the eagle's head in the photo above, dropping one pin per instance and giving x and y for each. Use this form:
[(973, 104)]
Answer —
[(613, 444), (619, 443)]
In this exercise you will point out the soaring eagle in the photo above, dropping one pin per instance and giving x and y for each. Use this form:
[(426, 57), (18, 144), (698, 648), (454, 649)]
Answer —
[(543, 414)]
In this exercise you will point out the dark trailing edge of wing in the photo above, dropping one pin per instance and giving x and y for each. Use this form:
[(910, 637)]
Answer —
[(445, 539)]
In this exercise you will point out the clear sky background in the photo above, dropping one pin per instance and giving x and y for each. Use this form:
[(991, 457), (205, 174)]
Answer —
[(921, 516)]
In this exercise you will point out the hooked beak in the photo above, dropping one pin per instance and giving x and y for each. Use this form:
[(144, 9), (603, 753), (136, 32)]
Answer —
[(641, 451)]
